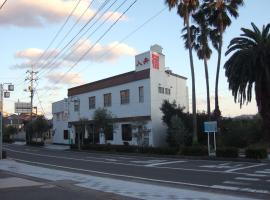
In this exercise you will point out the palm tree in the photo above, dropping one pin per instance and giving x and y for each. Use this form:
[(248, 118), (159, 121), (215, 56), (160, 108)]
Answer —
[(200, 36), (250, 65), (218, 15), (184, 10)]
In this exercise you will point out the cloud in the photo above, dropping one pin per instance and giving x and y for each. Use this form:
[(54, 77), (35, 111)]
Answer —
[(101, 53), (33, 13), (65, 79)]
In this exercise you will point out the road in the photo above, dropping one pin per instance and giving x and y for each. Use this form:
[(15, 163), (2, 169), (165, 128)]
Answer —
[(241, 179)]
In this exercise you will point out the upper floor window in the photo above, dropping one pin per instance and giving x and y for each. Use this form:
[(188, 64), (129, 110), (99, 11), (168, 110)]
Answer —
[(76, 106), (92, 102), (107, 100), (141, 94), (161, 90), (167, 91), (124, 95)]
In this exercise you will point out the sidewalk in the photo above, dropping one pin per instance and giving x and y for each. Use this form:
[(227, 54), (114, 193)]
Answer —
[(20, 187), (128, 188)]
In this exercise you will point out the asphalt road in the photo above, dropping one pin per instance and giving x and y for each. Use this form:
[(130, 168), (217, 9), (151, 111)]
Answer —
[(236, 178)]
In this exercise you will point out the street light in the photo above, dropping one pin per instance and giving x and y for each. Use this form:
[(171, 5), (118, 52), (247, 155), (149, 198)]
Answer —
[(4, 93)]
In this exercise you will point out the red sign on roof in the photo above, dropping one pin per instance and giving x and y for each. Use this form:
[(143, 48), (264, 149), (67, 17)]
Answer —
[(155, 61)]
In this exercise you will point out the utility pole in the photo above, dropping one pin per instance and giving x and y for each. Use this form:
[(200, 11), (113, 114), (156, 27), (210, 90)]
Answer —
[(4, 93), (31, 77)]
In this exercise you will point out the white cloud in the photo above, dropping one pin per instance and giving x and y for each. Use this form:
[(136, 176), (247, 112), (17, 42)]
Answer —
[(65, 79), (31, 13), (101, 53)]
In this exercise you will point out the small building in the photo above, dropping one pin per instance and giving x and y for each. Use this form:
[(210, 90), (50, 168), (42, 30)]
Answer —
[(134, 97)]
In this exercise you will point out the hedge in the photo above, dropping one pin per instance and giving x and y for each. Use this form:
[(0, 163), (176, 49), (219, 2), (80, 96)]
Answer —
[(256, 153), (194, 151), (227, 152), (4, 154), (32, 143)]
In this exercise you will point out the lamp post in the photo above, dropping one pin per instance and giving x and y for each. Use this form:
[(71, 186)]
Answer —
[(4, 93)]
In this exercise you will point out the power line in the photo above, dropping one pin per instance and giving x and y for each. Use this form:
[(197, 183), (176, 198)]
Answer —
[(130, 34), (69, 31), (101, 37), (59, 31), (40, 104), (53, 60), (65, 56), (56, 35), (3, 4)]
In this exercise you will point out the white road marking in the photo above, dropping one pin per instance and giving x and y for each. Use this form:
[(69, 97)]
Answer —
[(247, 179), (164, 163), (146, 161), (256, 175), (112, 160), (134, 189), (223, 187), (240, 189), (247, 167), (235, 183), (262, 172)]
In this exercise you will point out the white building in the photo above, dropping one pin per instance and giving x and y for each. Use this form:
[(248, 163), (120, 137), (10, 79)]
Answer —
[(133, 98)]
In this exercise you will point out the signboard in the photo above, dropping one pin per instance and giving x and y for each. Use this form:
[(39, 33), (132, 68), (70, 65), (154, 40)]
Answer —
[(22, 107), (210, 127), (155, 60)]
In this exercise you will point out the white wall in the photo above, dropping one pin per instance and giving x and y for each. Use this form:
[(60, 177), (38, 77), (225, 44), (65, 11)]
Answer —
[(178, 93), (134, 108), (61, 124)]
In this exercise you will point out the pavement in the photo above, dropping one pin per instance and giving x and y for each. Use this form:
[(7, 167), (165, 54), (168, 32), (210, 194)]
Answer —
[(15, 186), (143, 177)]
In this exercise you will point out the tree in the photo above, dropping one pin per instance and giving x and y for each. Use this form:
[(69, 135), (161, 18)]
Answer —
[(184, 10), (250, 65), (9, 131), (218, 12), (40, 126), (103, 119), (201, 34), (178, 132)]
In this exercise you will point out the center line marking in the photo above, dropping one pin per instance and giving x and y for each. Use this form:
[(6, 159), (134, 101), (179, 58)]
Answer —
[(239, 168), (164, 163)]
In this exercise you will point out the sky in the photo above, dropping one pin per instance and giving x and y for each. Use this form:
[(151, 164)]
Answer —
[(28, 27)]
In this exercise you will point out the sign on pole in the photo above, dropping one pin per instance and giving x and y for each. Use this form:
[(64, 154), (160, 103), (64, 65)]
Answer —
[(210, 127), (1, 136)]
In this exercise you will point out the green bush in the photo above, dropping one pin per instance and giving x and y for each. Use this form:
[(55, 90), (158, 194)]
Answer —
[(32, 143), (256, 153), (227, 152), (4, 154), (194, 151), (7, 140)]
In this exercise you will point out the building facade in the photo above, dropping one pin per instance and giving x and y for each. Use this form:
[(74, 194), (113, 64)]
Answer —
[(134, 98)]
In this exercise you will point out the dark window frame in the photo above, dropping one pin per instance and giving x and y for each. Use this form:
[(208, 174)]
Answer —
[(107, 99), (124, 96), (126, 132), (92, 102), (141, 94)]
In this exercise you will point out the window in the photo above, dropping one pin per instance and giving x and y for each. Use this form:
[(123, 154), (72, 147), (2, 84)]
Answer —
[(65, 134), (126, 132), (161, 90), (124, 95), (57, 116), (141, 94), (92, 102), (108, 132), (167, 91), (76, 105), (107, 100)]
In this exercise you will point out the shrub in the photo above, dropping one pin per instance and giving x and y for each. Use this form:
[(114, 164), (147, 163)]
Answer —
[(4, 154), (256, 153), (227, 152), (7, 140), (32, 143), (194, 151)]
